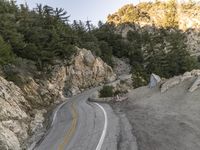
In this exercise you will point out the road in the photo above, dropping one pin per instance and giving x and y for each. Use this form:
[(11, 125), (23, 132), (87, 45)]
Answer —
[(80, 125)]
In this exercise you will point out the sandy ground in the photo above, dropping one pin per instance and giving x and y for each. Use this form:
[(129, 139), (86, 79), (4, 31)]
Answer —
[(162, 121)]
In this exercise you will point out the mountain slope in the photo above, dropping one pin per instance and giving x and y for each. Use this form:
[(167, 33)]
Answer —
[(184, 17)]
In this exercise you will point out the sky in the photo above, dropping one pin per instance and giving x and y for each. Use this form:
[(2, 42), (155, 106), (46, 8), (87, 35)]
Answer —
[(93, 10)]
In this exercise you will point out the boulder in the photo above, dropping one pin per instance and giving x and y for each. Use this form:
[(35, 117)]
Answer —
[(154, 80)]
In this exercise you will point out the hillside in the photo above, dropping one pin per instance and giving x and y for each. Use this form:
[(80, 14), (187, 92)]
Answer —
[(184, 17)]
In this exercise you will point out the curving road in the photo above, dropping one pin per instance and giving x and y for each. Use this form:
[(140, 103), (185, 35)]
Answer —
[(80, 125)]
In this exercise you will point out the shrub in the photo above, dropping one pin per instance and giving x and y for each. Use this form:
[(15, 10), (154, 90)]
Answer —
[(138, 80), (106, 91)]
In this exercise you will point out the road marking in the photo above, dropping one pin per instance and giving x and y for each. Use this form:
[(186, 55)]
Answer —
[(55, 114), (72, 128), (104, 129)]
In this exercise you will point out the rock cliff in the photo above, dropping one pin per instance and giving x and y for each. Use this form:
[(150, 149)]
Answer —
[(26, 94), (86, 71)]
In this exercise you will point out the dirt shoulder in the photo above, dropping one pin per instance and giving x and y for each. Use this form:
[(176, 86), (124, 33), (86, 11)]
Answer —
[(164, 121)]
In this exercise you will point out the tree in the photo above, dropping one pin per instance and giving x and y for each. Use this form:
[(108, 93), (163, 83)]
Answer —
[(106, 52), (178, 57), (61, 14), (6, 55)]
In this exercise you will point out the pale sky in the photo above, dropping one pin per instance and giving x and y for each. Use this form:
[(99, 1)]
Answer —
[(93, 10)]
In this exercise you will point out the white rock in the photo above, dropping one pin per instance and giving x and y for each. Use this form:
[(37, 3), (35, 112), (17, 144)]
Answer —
[(154, 80)]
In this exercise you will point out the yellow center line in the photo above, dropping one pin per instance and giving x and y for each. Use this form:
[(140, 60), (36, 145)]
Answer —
[(71, 130)]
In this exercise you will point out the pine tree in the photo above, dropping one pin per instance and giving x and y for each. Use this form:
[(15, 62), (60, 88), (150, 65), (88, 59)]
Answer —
[(6, 55)]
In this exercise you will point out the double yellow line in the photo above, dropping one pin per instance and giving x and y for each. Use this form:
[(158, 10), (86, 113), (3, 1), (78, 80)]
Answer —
[(72, 128)]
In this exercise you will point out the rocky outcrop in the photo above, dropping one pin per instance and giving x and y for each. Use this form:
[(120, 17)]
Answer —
[(86, 71)]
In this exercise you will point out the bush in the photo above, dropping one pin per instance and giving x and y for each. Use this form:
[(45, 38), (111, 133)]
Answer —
[(138, 80), (106, 91)]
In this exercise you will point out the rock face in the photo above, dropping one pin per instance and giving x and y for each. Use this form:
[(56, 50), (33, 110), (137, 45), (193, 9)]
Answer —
[(13, 116), (86, 71), (24, 101)]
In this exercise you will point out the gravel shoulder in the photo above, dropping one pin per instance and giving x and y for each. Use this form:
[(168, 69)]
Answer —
[(163, 121)]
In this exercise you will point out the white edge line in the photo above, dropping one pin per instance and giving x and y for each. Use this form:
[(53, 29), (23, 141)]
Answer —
[(104, 129), (55, 114)]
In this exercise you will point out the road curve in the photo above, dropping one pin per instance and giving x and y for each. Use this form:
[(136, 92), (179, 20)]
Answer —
[(80, 125)]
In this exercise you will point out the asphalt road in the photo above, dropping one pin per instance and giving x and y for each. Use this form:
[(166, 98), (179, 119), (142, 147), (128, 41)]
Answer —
[(80, 125)]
